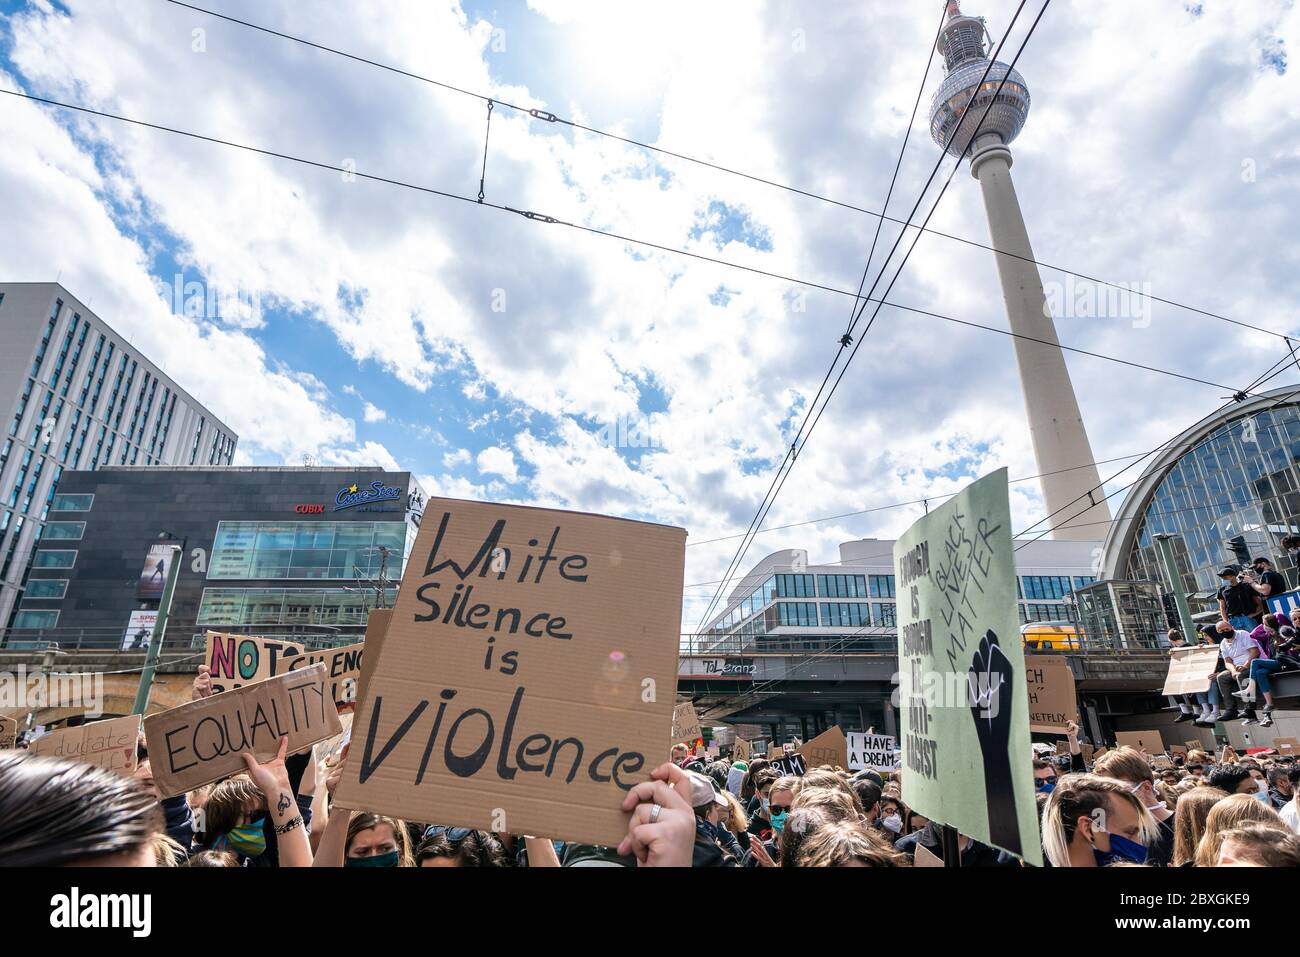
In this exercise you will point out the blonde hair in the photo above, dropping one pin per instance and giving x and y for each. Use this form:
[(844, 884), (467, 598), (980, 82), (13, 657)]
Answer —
[(1124, 764), (1189, 820), (737, 821), (1080, 795), (1232, 812)]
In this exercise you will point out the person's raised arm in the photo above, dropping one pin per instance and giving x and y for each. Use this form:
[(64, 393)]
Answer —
[(334, 838), (1077, 762), (541, 852), (661, 832), (272, 779)]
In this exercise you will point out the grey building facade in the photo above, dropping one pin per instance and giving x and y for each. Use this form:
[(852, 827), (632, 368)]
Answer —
[(75, 395), (265, 551)]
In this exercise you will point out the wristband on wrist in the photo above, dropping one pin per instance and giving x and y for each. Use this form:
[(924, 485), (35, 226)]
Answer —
[(288, 826)]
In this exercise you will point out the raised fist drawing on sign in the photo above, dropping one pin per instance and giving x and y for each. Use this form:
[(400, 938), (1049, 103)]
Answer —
[(990, 681)]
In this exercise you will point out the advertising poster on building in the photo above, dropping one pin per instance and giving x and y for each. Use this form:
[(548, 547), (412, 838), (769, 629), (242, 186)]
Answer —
[(153, 576), (962, 688), (1052, 700), (527, 677), (139, 630)]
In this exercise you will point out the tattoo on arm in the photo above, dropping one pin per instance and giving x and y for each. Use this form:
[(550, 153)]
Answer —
[(284, 803)]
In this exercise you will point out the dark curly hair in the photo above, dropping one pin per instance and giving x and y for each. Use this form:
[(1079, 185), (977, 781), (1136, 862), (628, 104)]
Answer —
[(475, 849)]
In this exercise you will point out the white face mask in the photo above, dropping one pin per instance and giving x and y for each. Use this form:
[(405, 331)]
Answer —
[(893, 823)]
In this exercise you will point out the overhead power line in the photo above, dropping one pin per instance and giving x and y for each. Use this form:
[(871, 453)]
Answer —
[(549, 117)]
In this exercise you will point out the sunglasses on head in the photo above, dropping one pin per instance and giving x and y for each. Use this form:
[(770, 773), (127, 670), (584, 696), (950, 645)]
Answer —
[(454, 834)]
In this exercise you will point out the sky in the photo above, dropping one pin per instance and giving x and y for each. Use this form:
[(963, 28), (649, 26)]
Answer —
[(510, 359)]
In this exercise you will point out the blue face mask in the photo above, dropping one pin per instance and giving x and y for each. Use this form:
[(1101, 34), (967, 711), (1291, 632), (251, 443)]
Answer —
[(1046, 785), (375, 860), (247, 839), (1121, 849), (778, 822)]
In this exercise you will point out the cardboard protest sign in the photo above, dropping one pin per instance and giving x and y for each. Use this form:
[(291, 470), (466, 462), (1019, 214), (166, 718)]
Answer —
[(962, 687), (201, 741), (1287, 745), (773, 750), (743, 750), (874, 751), (1088, 754), (1178, 751), (1161, 762), (1148, 741), (1052, 701), (8, 733), (1190, 669), (237, 660), (686, 725), (527, 675), (790, 764), (109, 744), (376, 631), (1062, 747), (829, 747), (924, 857)]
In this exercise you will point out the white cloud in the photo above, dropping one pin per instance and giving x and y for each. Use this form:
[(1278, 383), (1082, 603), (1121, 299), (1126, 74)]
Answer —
[(372, 413), (451, 460), (495, 460)]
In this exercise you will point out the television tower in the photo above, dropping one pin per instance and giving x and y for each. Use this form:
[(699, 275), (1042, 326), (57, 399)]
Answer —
[(1069, 478)]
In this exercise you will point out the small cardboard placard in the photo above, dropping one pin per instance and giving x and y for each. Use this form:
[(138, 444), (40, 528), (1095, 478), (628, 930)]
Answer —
[(924, 857), (237, 660), (742, 751), (1178, 750), (109, 744), (1190, 669), (1148, 741), (790, 764), (829, 747), (1287, 745), (686, 725), (527, 676), (201, 741), (874, 751), (1052, 699)]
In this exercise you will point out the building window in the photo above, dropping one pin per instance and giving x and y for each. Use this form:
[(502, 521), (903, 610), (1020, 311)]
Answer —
[(51, 558), (884, 614), (1032, 611), (845, 614), (1045, 586), (328, 550), (52, 588), (69, 502), (842, 586), (27, 619), (282, 606), (882, 586), (796, 614), (65, 531), (795, 586)]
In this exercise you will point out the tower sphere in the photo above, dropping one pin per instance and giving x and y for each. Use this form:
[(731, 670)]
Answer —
[(962, 43)]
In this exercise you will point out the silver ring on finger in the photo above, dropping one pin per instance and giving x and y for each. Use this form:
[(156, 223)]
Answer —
[(654, 813)]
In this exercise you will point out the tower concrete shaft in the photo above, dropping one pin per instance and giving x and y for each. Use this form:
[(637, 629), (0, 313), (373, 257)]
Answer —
[(1070, 482)]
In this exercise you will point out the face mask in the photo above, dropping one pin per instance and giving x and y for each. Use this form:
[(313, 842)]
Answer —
[(778, 822), (1121, 849), (893, 823), (376, 860), (1262, 797), (247, 839), (1045, 785), (763, 801)]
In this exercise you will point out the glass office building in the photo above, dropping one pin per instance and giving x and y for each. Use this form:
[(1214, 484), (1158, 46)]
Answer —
[(274, 551), (1225, 491)]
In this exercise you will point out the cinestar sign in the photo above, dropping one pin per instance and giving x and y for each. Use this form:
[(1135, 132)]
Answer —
[(353, 495)]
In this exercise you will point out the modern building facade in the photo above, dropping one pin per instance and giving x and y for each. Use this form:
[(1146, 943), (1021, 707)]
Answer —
[(787, 623), (1225, 491), (305, 552), (980, 107), (75, 395)]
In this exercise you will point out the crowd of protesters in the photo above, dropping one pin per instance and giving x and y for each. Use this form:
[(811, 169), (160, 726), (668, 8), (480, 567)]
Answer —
[(694, 811)]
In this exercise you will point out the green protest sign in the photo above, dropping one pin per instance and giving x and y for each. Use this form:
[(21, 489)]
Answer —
[(965, 710)]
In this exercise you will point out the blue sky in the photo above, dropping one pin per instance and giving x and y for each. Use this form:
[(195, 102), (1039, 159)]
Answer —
[(500, 358)]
